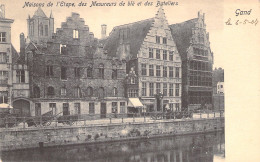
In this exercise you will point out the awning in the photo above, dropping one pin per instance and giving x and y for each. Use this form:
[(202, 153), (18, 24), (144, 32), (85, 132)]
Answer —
[(5, 106), (135, 102)]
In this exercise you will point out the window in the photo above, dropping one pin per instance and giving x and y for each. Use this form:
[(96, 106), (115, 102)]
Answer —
[(75, 34), (150, 52), (143, 66), (164, 40), (177, 107), (115, 92), (46, 30), (132, 93), (151, 86), (164, 71), (122, 107), (77, 92), (63, 49), (91, 108), (158, 54), (38, 110), (165, 89), (2, 36), (101, 71), (53, 108), (114, 73), (143, 89), (177, 90), (41, 29), (36, 92), (132, 80), (114, 107), (89, 91), (101, 92), (66, 109), (63, 91), (171, 55), (3, 57), (77, 72), (63, 73), (158, 71), (3, 77), (170, 71), (151, 70), (158, 39), (171, 106), (171, 90), (158, 88), (177, 72), (20, 76), (50, 91), (77, 108), (3, 96), (164, 55), (89, 72), (49, 70)]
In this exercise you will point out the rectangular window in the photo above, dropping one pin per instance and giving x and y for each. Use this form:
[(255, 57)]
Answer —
[(4, 77), (38, 110), (143, 66), (114, 107), (165, 89), (132, 80), (143, 89), (49, 70), (66, 110), (177, 90), (77, 93), (92, 108), (3, 57), (122, 107), (158, 71), (158, 88), (150, 52), (20, 76), (89, 72), (164, 40), (77, 108), (63, 91), (63, 73), (171, 107), (75, 34), (164, 71), (2, 36), (101, 73), (151, 89), (171, 90), (158, 54), (170, 71), (46, 30), (53, 108), (177, 107), (177, 72), (164, 55), (77, 72), (158, 39), (114, 73), (171, 55), (63, 49), (151, 70)]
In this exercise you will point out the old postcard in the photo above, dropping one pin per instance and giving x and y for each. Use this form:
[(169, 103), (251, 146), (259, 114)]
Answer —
[(129, 80)]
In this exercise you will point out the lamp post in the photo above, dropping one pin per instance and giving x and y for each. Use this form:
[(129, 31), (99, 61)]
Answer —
[(159, 97)]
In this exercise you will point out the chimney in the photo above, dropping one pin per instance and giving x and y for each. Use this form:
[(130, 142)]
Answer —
[(103, 31)]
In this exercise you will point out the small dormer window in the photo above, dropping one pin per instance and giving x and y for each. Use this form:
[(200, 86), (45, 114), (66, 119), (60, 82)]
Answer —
[(75, 34)]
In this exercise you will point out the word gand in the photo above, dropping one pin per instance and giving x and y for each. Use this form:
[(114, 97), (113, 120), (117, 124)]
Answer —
[(240, 12)]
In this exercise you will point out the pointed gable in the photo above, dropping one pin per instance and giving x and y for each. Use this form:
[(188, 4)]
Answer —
[(39, 13)]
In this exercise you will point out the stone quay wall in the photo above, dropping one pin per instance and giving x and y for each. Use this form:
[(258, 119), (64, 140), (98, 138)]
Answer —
[(25, 138)]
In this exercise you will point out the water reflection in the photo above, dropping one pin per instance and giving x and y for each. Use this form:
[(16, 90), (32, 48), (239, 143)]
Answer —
[(192, 148)]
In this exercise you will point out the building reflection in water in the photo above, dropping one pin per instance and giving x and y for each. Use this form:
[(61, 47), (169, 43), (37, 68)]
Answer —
[(192, 148)]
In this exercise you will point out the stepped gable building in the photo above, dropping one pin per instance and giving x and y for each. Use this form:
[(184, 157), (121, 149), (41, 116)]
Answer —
[(70, 73), (193, 44), (153, 62)]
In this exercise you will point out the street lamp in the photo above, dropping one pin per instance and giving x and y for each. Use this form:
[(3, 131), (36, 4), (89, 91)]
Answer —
[(159, 97)]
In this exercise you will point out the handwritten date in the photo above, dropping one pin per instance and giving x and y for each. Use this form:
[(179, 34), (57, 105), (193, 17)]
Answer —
[(241, 22)]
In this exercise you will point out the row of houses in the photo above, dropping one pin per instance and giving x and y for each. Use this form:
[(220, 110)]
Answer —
[(146, 65)]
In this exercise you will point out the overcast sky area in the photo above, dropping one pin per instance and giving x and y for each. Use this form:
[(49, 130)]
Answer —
[(116, 15)]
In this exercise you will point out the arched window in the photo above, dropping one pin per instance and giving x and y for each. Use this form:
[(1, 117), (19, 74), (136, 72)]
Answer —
[(115, 92), (50, 90), (89, 71), (101, 92), (89, 91), (36, 92), (101, 71)]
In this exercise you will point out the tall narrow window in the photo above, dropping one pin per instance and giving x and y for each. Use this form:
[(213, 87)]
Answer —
[(92, 108), (165, 89), (151, 89), (171, 55), (158, 54), (53, 108), (164, 55), (177, 72), (63, 49), (41, 29), (36, 92), (38, 110), (75, 34), (158, 71), (164, 71), (89, 91), (143, 89), (150, 52), (63, 73), (3, 57), (101, 92), (101, 71), (122, 107), (170, 71), (143, 66), (171, 90), (63, 91), (77, 108), (114, 107), (77, 72), (177, 107), (20, 76), (4, 97), (151, 70), (4, 77), (158, 39), (114, 73), (158, 88), (46, 30), (115, 92), (177, 90), (164, 40), (89, 72), (2, 36), (49, 70), (77, 92)]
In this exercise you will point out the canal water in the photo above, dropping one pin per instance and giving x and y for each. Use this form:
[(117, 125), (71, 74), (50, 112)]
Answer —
[(187, 148)]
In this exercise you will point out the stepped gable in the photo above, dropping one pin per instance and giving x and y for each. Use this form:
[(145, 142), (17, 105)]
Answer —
[(182, 34), (137, 32)]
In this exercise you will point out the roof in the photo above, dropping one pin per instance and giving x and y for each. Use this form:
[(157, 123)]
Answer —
[(182, 33), (137, 32), (15, 55), (39, 13)]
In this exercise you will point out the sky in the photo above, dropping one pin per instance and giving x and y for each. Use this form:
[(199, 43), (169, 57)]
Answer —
[(118, 15)]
